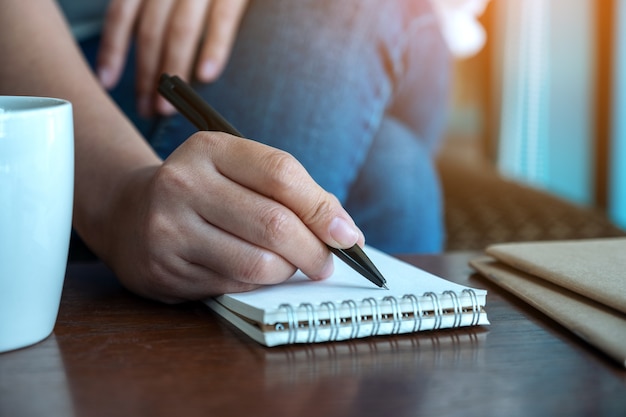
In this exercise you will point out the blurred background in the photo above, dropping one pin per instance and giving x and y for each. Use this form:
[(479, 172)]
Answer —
[(540, 104)]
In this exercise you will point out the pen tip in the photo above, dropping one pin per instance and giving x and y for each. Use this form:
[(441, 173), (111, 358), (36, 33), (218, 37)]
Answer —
[(385, 286)]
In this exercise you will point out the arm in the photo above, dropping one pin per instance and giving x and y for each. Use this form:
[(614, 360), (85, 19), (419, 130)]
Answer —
[(221, 214), (45, 61)]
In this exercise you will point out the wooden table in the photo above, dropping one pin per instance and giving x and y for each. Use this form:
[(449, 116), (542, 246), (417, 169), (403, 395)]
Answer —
[(115, 354)]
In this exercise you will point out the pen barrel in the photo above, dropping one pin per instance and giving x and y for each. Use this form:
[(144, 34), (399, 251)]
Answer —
[(193, 107)]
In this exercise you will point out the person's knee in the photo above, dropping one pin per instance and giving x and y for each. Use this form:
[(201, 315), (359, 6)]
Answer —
[(397, 200)]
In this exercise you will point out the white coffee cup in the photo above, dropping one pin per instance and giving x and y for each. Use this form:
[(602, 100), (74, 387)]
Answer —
[(36, 197)]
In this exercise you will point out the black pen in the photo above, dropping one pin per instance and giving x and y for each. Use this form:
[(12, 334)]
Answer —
[(204, 117)]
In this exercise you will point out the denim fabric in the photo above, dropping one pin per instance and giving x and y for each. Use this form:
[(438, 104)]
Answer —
[(356, 90)]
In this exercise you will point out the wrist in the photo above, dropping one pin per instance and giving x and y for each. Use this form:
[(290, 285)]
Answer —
[(101, 218)]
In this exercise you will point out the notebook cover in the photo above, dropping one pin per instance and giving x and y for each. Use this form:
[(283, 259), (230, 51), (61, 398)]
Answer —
[(594, 268), (597, 324)]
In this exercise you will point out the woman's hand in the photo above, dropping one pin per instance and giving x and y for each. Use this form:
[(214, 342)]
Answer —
[(171, 36), (223, 214)]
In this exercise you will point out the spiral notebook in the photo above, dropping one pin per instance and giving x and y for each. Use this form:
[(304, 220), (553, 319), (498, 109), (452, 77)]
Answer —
[(347, 306)]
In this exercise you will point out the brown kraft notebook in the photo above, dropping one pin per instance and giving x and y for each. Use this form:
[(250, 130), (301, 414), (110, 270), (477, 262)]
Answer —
[(579, 283)]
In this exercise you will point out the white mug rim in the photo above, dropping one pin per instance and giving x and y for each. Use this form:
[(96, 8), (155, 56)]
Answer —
[(17, 105)]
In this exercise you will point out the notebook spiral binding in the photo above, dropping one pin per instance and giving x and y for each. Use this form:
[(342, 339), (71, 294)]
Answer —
[(334, 322)]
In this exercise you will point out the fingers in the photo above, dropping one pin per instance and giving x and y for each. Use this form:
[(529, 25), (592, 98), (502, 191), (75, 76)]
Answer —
[(254, 218), (278, 176), (163, 249), (169, 34), (179, 46), (194, 260), (151, 37), (223, 21), (118, 26), (268, 226), (221, 214)]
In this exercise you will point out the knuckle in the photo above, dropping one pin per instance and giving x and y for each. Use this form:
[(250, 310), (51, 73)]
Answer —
[(157, 226), (283, 170), (147, 34), (255, 269), (203, 142), (260, 268), (179, 29), (172, 179), (321, 211), (275, 221)]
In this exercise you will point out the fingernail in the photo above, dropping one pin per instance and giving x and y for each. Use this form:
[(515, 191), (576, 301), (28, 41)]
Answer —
[(165, 108), (208, 70), (343, 232), (105, 75)]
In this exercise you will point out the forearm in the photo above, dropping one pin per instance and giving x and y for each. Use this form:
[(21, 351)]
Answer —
[(41, 59)]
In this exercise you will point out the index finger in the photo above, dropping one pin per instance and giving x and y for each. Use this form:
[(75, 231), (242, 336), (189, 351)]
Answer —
[(278, 175)]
